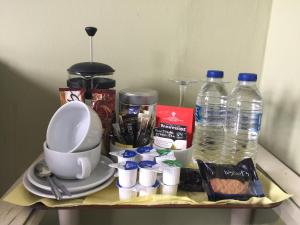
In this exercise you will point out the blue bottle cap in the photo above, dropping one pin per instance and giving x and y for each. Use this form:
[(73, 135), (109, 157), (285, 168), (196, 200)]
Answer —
[(215, 73), (247, 77), (129, 154), (146, 164), (144, 149), (130, 165)]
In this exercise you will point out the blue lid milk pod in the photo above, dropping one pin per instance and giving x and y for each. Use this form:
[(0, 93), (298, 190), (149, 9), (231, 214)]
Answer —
[(147, 153), (148, 173), (127, 172), (125, 155)]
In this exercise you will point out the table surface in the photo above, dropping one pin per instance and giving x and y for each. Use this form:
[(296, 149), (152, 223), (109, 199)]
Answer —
[(227, 206)]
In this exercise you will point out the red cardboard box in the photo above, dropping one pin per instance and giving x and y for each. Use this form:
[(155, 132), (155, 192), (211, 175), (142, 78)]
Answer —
[(178, 116)]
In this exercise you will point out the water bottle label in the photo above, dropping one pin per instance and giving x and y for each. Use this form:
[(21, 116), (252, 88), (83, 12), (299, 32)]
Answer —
[(198, 116), (251, 121), (258, 121)]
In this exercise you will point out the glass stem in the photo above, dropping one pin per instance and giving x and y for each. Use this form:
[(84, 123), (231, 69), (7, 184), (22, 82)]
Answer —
[(182, 89)]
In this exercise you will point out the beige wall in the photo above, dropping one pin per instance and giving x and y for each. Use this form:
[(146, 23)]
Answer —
[(280, 84), (147, 42)]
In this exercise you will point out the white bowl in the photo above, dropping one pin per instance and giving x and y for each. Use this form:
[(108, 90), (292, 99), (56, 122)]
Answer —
[(74, 127), (77, 165)]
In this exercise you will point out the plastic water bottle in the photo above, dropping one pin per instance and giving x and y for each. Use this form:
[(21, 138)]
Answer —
[(210, 115), (243, 120)]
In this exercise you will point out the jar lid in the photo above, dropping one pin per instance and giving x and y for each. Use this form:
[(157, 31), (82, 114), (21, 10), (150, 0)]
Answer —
[(103, 83), (138, 96)]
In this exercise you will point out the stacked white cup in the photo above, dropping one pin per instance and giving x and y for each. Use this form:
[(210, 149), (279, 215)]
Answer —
[(170, 177), (73, 142), (127, 172)]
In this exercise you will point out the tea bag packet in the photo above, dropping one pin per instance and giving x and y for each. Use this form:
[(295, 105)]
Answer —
[(117, 134), (164, 154), (71, 94), (170, 136), (146, 124), (124, 155), (175, 127), (226, 181), (130, 126), (147, 153), (171, 172)]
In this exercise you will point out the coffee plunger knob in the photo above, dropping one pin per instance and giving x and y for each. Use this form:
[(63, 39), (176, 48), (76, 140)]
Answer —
[(91, 31)]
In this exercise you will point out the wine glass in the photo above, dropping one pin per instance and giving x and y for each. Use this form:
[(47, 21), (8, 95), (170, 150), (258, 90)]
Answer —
[(183, 83)]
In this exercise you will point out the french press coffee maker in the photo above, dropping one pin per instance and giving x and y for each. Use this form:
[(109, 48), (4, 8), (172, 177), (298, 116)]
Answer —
[(90, 75)]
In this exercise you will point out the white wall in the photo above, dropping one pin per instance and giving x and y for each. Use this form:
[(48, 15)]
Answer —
[(280, 84), (147, 42)]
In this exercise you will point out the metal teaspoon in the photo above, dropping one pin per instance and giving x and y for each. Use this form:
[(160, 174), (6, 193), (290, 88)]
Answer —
[(42, 171)]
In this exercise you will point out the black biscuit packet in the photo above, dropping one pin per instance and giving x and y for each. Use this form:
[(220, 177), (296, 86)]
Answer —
[(190, 180), (226, 181)]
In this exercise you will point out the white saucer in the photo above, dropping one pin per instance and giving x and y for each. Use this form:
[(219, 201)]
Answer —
[(46, 194), (101, 173)]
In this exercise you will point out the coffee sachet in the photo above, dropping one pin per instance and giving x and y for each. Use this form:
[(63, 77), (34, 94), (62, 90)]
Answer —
[(103, 102), (71, 94)]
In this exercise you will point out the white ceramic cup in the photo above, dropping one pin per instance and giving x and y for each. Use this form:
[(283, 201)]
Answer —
[(145, 191), (127, 177), (168, 189), (74, 127), (126, 193), (171, 175), (77, 165)]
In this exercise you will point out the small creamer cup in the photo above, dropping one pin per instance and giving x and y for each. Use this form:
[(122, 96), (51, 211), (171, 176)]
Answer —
[(147, 153), (171, 172), (164, 154), (148, 173), (125, 155), (145, 191), (127, 174), (168, 189), (126, 193)]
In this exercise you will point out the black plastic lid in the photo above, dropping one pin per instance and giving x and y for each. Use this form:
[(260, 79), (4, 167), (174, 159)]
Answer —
[(91, 69), (103, 83)]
